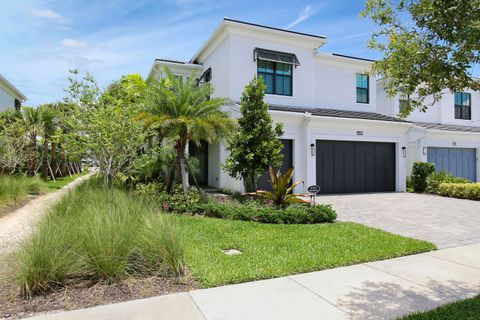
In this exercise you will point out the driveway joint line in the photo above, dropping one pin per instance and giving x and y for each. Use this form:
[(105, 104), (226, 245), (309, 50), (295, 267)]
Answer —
[(317, 295), (459, 263), (405, 279), (196, 305)]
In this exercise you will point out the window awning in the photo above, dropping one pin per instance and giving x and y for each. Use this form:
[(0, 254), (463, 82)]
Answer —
[(275, 56)]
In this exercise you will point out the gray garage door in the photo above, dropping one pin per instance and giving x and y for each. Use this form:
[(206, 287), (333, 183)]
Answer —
[(461, 162), (287, 151), (351, 167)]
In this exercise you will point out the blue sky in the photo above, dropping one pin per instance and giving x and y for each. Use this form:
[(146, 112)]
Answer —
[(41, 39)]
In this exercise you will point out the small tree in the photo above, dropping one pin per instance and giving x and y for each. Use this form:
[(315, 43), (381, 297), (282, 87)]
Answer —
[(13, 141), (256, 145), (185, 112), (113, 137)]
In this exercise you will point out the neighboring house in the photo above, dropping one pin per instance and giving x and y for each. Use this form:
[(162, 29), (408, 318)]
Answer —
[(10, 97), (341, 131)]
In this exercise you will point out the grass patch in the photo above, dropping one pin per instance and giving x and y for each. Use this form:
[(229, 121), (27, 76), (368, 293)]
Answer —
[(279, 250), (15, 189), (59, 183), (468, 309), (98, 235)]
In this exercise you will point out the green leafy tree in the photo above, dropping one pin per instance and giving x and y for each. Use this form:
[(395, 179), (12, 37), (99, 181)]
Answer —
[(113, 137), (256, 145), (183, 111), (428, 46), (13, 141)]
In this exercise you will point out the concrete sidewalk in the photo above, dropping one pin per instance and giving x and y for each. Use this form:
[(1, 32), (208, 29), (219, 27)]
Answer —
[(377, 290)]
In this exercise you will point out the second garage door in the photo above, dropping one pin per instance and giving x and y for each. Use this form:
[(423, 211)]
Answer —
[(353, 167), (461, 162)]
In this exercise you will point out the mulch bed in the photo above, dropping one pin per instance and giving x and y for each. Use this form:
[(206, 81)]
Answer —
[(87, 294)]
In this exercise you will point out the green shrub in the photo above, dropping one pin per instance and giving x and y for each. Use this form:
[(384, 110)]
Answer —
[(434, 180), (177, 201), (100, 234), (420, 172), (253, 211), (460, 190)]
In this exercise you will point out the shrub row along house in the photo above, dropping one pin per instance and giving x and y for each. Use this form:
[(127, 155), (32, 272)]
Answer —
[(342, 132)]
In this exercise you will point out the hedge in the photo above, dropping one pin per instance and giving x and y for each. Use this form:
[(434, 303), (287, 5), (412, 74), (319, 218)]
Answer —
[(469, 191), (293, 214)]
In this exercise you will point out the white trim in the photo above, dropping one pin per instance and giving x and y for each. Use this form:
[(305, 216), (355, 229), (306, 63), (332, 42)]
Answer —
[(17, 93)]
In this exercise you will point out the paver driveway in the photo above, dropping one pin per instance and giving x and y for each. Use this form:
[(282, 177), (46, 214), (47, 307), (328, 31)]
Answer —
[(446, 222)]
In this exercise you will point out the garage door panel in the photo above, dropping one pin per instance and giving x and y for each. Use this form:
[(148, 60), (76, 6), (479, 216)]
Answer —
[(347, 167), (460, 162)]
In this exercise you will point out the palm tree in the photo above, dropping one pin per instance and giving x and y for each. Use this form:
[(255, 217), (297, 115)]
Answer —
[(32, 121), (48, 126), (183, 110)]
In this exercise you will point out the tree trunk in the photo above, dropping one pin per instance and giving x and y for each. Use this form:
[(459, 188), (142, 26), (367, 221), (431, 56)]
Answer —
[(33, 155), (53, 158), (45, 158), (182, 173), (63, 164), (250, 182)]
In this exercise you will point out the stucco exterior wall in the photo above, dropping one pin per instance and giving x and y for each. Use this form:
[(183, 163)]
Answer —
[(6, 101)]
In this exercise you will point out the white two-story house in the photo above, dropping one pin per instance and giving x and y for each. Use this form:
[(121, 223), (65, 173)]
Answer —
[(10, 96), (341, 131)]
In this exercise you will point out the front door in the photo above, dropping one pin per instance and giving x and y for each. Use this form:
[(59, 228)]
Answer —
[(201, 154)]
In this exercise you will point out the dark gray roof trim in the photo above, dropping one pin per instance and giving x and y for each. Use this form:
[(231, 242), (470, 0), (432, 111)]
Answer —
[(272, 28), (275, 56), (171, 61), (338, 113), (447, 127), (352, 57)]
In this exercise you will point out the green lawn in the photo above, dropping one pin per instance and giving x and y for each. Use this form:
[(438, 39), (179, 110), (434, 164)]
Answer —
[(277, 250), (61, 182), (468, 309)]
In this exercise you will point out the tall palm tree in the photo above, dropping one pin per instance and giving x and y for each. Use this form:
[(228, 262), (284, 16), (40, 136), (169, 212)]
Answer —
[(48, 126), (183, 110), (32, 121)]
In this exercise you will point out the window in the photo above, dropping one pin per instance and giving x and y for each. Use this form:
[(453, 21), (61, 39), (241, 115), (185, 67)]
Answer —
[(362, 88), (463, 106), (18, 105), (403, 105), (277, 77)]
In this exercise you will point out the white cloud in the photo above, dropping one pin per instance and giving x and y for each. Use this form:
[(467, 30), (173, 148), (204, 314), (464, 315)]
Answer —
[(72, 43), (48, 14), (305, 14)]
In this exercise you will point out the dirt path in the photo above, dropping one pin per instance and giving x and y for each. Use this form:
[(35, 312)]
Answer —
[(18, 224)]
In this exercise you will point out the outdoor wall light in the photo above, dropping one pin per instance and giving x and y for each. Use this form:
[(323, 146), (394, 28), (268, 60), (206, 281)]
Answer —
[(312, 149), (404, 151), (424, 151)]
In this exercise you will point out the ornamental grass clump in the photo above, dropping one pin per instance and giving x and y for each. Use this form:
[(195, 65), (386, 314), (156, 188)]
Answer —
[(98, 235), (14, 189)]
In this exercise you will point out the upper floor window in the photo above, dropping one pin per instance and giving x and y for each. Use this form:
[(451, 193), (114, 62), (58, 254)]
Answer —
[(363, 95), (403, 105), (277, 77), (463, 106)]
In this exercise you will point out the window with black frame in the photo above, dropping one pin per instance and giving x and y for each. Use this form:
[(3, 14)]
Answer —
[(363, 95), (463, 105), (277, 77)]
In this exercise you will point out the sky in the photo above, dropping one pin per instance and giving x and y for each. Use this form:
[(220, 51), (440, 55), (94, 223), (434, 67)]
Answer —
[(40, 40)]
